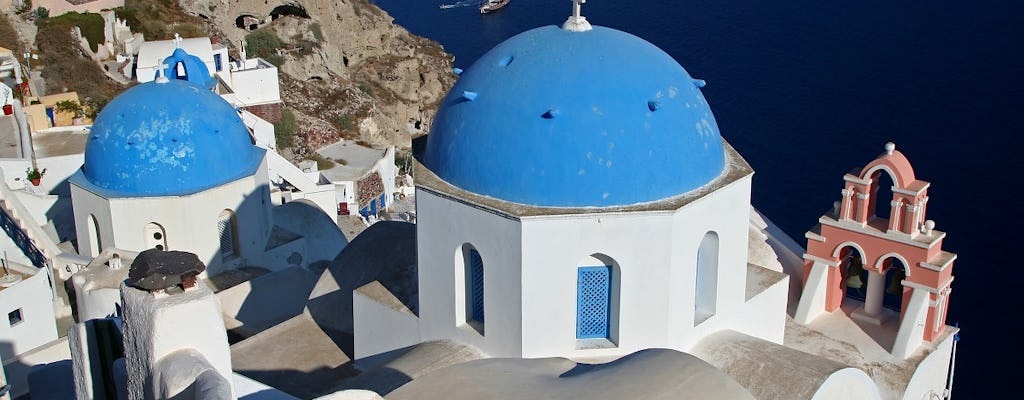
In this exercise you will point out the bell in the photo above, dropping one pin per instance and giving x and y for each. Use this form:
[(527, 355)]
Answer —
[(895, 287), (853, 273), (854, 282)]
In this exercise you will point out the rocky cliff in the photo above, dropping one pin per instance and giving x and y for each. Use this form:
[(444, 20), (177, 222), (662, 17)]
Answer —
[(347, 71)]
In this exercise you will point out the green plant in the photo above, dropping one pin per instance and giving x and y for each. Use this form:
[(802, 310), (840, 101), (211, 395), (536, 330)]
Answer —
[(25, 7), (344, 122), (262, 43), (34, 173), (190, 30), (70, 107), (317, 32), (403, 159), (284, 129), (322, 163), (276, 59), (41, 14), (90, 24), (93, 106)]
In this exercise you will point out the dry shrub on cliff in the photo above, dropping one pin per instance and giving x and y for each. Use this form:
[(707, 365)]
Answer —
[(152, 18), (64, 66), (284, 129), (90, 24), (8, 36)]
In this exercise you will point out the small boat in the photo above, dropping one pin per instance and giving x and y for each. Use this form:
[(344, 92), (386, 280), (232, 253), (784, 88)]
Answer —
[(492, 6)]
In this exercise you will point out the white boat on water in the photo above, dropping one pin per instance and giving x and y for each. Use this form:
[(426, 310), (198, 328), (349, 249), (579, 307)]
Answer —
[(492, 5)]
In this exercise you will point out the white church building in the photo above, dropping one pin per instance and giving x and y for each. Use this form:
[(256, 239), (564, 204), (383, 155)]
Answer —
[(170, 165), (565, 213), (604, 227)]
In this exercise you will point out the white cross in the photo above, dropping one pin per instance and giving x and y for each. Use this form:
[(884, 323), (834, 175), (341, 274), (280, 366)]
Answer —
[(160, 77), (177, 40), (577, 7), (576, 22)]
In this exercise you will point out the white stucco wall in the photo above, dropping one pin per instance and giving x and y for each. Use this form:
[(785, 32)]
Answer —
[(764, 315), (34, 298), (931, 373), (531, 273), (4, 387), (388, 171), (159, 325), (442, 228), (848, 384), (57, 170), (262, 130), (152, 54), (381, 324), (656, 254), (726, 211), (255, 85), (554, 248), (190, 222), (17, 369)]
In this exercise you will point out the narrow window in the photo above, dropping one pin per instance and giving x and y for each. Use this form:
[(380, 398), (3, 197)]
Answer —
[(217, 63), (95, 245), (14, 317), (227, 230), (593, 302), (476, 287), (706, 291)]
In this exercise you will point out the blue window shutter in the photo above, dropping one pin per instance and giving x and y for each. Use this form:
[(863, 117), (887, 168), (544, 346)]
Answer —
[(593, 302), (476, 272)]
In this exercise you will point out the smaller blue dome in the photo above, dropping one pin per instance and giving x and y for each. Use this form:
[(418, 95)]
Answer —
[(170, 138), (195, 70)]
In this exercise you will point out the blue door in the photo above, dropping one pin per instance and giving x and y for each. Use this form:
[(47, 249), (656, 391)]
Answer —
[(373, 207), (380, 200), (593, 301)]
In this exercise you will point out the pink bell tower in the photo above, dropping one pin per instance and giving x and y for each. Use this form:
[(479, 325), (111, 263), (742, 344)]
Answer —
[(852, 239)]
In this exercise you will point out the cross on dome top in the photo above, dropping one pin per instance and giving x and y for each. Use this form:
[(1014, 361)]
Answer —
[(160, 78), (177, 40), (577, 22)]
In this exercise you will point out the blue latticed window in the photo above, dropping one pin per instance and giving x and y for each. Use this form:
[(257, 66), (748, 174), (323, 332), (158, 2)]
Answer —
[(476, 279), (593, 302)]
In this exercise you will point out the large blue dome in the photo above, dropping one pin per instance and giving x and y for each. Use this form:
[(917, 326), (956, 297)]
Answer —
[(170, 138), (570, 119)]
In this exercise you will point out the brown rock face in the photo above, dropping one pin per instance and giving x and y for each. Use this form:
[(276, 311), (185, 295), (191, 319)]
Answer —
[(348, 71)]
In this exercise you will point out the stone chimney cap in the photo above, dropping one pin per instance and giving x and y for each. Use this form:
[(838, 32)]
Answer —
[(155, 270)]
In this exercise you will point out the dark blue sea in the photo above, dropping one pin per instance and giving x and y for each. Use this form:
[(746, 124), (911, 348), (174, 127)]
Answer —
[(807, 90)]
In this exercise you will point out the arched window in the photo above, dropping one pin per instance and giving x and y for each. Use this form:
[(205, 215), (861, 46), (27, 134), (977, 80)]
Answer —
[(470, 299), (95, 245), (227, 230), (156, 236), (706, 290), (597, 299)]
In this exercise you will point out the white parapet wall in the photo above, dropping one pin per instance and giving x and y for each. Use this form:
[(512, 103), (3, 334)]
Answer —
[(382, 323), (157, 325)]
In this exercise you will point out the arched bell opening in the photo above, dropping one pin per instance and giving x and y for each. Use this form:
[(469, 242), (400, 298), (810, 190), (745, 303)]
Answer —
[(895, 293), (882, 183), (854, 277)]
